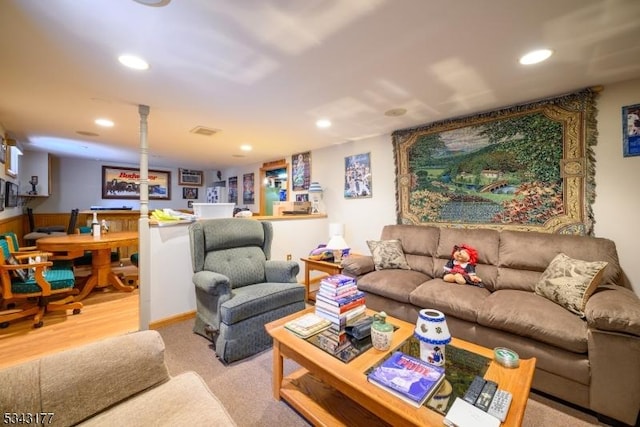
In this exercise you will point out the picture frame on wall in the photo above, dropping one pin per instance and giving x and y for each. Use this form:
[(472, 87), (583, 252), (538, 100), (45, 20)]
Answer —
[(301, 176), (233, 189), (631, 130), (3, 150), (189, 193), (248, 191), (11, 195), (2, 193), (124, 183), (190, 177), (357, 176)]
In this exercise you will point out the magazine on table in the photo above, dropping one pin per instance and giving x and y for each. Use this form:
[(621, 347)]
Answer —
[(411, 379)]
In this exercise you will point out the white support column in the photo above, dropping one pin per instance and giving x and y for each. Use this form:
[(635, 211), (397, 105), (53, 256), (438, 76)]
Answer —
[(144, 250)]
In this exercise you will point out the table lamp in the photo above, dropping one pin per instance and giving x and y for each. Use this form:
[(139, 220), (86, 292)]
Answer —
[(337, 244), (433, 333)]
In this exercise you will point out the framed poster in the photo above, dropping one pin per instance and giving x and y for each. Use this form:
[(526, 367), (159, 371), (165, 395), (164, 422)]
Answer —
[(3, 149), (631, 130), (11, 195), (357, 176), (2, 193), (124, 183), (301, 177), (190, 177), (189, 193), (233, 189), (248, 192)]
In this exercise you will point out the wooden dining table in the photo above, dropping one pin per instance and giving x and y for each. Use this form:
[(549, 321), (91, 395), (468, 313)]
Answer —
[(74, 245)]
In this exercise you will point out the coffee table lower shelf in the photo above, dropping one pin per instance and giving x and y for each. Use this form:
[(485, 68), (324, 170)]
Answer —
[(321, 404)]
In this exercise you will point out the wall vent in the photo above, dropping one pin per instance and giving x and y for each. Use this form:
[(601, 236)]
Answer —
[(205, 131)]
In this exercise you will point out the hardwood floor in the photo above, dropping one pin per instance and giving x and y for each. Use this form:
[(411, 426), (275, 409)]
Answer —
[(106, 313)]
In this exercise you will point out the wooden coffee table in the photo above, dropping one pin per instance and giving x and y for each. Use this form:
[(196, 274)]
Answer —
[(327, 391)]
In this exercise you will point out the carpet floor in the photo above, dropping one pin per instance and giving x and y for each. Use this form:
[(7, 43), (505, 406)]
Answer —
[(244, 387)]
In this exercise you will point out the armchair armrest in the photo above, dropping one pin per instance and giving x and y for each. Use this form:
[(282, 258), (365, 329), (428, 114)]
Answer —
[(212, 283), (281, 271), (357, 265), (615, 309)]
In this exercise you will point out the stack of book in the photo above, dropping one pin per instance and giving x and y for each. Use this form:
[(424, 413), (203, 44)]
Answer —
[(339, 301)]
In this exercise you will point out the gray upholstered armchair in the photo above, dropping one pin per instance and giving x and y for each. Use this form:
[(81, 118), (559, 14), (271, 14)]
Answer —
[(238, 287)]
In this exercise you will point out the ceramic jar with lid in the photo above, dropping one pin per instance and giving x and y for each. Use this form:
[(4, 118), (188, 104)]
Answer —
[(381, 332)]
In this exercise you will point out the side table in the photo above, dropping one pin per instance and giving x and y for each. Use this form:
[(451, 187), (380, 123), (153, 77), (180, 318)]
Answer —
[(310, 265)]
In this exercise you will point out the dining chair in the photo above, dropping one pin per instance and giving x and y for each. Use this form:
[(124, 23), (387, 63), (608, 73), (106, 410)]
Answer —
[(34, 235), (29, 287)]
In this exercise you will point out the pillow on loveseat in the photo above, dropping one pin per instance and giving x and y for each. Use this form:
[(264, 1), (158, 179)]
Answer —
[(387, 254), (570, 282)]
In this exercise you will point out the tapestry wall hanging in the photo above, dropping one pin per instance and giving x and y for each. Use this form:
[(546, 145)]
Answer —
[(527, 167)]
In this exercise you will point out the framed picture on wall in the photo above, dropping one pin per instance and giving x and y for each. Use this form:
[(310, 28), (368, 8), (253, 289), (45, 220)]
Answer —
[(190, 177), (233, 189), (357, 176), (301, 176), (189, 193), (11, 195), (631, 130), (248, 192), (3, 150), (124, 183), (2, 192)]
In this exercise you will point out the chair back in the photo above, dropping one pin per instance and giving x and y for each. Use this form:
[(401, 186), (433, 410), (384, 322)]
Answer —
[(32, 224), (12, 240), (73, 220), (235, 247)]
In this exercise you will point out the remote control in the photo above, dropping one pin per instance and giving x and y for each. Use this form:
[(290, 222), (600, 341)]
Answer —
[(486, 395), (500, 405), (474, 390)]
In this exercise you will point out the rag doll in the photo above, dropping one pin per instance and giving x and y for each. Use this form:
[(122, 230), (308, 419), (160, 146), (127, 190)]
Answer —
[(461, 268)]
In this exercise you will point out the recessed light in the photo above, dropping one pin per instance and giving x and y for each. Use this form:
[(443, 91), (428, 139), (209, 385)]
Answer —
[(535, 56), (104, 123), (238, 155), (323, 123), (395, 112), (246, 147), (153, 3), (134, 62), (86, 133)]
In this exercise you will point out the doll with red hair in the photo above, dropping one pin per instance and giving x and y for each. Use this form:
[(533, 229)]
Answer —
[(461, 268)]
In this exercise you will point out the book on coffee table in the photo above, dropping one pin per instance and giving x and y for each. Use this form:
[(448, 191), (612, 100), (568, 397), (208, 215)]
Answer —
[(307, 325), (409, 378)]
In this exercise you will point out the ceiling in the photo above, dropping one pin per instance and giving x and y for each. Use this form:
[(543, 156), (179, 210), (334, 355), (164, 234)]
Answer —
[(261, 72)]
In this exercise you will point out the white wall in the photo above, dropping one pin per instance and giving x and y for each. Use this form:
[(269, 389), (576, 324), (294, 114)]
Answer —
[(617, 206), (9, 212)]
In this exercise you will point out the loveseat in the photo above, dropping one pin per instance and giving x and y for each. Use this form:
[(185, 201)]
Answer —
[(117, 381), (590, 358)]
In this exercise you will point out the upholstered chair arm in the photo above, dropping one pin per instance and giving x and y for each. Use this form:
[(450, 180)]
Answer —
[(614, 309), (357, 265), (212, 283), (281, 271)]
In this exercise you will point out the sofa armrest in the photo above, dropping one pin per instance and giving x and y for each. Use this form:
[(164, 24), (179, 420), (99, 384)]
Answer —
[(357, 265), (614, 309), (78, 383), (281, 271)]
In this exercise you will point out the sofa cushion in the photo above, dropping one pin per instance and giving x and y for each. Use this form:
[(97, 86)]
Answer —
[(387, 254), (532, 316), (184, 400), (393, 284), (461, 301), (570, 282)]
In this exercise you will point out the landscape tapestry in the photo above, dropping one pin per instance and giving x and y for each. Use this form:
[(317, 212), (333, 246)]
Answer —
[(527, 167)]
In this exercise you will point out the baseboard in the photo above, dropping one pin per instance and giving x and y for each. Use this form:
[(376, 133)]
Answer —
[(172, 320)]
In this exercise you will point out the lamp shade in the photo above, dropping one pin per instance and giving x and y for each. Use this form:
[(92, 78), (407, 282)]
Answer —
[(314, 187), (337, 242)]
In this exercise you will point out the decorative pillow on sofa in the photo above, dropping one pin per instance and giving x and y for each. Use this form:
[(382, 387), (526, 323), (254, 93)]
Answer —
[(570, 282), (387, 254)]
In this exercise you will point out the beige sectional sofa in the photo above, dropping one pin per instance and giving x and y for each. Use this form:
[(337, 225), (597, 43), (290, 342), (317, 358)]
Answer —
[(591, 361), (121, 381)]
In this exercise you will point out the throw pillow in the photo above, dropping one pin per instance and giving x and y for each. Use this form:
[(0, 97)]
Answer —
[(570, 282), (20, 274), (387, 254)]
